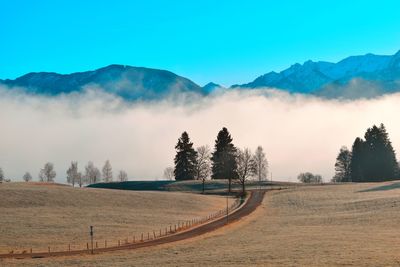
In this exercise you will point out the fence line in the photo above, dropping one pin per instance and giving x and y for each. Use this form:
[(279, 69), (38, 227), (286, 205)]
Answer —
[(152, 235)]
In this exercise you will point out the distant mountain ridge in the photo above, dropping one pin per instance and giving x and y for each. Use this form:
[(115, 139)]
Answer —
[(354, 77), (130, 83), (336, 79)]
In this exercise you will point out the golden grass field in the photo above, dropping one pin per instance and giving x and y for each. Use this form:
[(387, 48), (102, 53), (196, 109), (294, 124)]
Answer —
[(330, 225), (38, 216)]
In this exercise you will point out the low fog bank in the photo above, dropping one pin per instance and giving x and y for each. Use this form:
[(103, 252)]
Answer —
[(299, 133)]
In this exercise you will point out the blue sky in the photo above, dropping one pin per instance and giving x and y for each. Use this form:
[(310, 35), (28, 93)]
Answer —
[(222, 41)]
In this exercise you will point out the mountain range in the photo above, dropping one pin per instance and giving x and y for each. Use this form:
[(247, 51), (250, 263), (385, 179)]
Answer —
[(130, 83), (354, 77)]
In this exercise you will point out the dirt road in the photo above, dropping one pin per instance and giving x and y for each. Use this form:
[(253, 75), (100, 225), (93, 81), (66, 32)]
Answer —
[(248, 207)]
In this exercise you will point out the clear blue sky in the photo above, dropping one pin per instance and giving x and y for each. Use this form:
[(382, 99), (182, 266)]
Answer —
[(224, 41)]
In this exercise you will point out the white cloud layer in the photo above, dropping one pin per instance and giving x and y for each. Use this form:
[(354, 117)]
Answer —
[(298, 133)]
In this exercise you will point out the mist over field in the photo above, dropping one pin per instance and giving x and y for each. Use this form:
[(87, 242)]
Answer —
[(299, 133)]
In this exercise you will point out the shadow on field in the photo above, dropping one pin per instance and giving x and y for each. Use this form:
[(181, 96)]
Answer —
[(382, 188), (212, 187)]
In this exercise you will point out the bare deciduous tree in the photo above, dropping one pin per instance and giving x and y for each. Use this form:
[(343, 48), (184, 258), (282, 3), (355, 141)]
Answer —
[(107, 172), (92, 174), (169, 173), (80, 179), (245, 166), (261, 164), (203, 165), (47, 174), (27, 177), (41, 176), (1, 175), (72, 173), (122, 176)]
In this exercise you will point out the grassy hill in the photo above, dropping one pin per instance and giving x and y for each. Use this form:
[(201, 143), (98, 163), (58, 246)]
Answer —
[(335, 225), (40, 215)]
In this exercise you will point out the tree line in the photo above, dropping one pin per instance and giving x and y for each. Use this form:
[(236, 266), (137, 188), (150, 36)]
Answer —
[(371, 159), (225, 162), (309, 178), (90, 175)]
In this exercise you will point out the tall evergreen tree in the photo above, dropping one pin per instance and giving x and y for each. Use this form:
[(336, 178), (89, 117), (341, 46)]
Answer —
[(224, 158), (342, 166), (185, 159), (381, 163), (357, 161)]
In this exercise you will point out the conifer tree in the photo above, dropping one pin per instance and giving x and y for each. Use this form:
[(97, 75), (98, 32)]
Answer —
[(185, 159), (374, 159), (224, 158), (357, 161), (381, 163)]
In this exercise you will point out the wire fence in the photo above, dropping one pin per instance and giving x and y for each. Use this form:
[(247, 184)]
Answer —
[(93, 244)]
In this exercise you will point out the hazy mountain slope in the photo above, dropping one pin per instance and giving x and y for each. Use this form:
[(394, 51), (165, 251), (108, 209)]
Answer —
[(131, 83), (211, 87)]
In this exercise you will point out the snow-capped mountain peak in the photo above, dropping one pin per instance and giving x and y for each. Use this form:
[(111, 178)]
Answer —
[(313, 77)]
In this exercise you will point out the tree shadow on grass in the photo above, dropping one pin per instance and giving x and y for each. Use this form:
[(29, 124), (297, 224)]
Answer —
[(382, 188)]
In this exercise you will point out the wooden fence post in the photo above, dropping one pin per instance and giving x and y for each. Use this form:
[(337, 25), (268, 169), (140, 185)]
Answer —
[(105, 243)]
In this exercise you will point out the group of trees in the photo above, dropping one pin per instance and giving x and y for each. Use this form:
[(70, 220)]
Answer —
[(47, 174), (309, 178), (26, 177), (372, 159), (91, 174), (225, 162)]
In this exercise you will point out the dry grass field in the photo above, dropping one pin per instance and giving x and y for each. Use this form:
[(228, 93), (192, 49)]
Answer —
[(38, 216), (331, 225)]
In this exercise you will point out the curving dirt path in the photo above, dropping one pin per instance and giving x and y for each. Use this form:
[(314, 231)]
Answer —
[(248, 207)]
